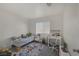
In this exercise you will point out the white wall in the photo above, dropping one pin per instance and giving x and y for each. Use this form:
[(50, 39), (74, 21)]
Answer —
[(10, 25), (71, 27)]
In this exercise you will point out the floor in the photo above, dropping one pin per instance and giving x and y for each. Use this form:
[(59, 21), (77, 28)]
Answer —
[(36, 49)]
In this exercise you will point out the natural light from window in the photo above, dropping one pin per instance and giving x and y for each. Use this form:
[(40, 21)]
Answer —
[(42, 27)]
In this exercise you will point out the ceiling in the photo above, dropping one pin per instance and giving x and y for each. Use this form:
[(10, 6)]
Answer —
[(32, 10)]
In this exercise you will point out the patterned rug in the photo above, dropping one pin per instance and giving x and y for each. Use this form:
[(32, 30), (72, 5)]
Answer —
[(35, 49)]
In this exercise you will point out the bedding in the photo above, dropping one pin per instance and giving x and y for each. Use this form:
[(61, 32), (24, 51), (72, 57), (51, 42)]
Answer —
[(22, 41)]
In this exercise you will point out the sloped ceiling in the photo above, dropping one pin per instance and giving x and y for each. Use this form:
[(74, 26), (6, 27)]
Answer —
[(32, 10)]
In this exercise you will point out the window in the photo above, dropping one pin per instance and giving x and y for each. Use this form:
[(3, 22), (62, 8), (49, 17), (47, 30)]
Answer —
[(42, 27)]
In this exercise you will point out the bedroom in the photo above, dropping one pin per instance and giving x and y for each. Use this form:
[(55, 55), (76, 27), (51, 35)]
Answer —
[(35, 27)]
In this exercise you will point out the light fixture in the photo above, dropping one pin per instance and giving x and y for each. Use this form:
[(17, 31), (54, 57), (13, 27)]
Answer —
[(49, 4)]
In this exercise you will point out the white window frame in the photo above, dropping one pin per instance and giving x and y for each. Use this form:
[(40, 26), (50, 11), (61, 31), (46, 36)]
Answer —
[(43, 27)]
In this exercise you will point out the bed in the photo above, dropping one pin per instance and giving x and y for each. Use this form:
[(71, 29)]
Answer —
[(22, 41)]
